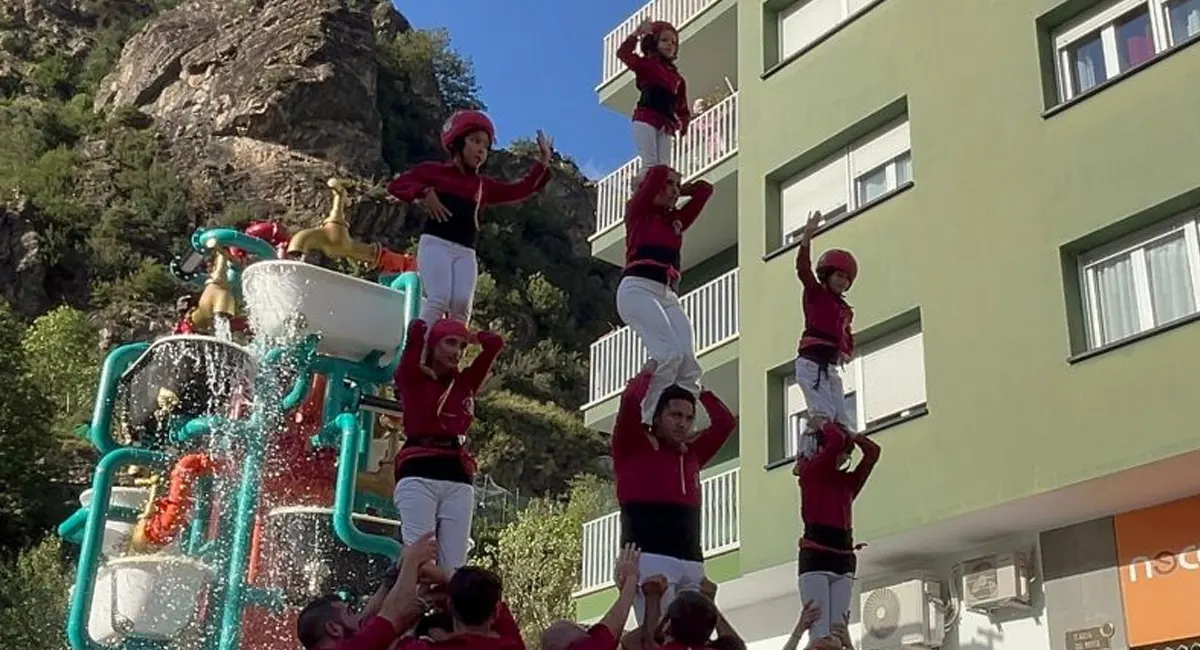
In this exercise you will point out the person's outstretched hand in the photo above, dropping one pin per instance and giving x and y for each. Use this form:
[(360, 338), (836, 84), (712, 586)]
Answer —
[(628, 561), (545, 147), (809, 615)]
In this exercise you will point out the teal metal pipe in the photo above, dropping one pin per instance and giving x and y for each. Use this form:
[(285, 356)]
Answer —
[(230, 237), (410, 284), (72, 529), (196, 428), (93, 536), (343, 503), (202, 497), (115, 365), (268, 419), (243, 525)]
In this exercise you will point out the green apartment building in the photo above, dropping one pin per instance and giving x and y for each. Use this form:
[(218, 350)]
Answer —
[(1020, 181)]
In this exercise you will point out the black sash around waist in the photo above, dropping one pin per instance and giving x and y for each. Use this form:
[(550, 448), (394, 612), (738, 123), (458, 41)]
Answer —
[(666, 529), (658, 99)]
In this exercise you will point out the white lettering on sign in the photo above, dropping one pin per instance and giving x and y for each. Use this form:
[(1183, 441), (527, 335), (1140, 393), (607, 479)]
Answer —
[(1188, 559)]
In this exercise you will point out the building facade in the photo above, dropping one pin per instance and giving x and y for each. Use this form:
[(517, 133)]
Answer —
[(1020, 183)]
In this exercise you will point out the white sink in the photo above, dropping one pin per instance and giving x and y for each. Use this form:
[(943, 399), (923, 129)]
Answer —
[(117, 533), (149, 597), (288, 299)]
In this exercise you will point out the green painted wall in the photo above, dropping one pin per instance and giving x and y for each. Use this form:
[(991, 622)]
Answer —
[(708, 270), (975, 245)]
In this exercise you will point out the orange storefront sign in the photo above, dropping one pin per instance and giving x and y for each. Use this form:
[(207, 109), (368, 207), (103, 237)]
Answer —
[(1159, 553)]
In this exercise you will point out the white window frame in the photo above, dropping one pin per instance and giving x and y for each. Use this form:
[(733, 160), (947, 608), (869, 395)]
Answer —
[(849, 9), (1102, 19), (1166, 17), (1135, 246), (859, 388), (900, 129)]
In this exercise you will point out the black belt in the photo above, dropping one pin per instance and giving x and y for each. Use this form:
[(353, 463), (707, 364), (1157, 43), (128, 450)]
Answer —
[(434, 442)]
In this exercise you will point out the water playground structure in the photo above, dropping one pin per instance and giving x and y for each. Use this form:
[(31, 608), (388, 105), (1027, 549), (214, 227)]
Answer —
[(246, 463)]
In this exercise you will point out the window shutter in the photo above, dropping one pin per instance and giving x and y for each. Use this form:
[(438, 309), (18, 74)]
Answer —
[(822, 188), (880, 149), (805, 22), (893, 378)]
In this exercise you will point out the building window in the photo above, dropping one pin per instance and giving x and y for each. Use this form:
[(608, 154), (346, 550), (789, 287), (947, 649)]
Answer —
[(1141, 282), (1119, 36), (851, 179), (883, 383), (804, 22)]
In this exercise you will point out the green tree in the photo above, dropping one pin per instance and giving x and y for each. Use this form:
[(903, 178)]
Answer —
[(420, 80), (29, 501), (537, 446), (33, 597), (538, 555), (63, 358)]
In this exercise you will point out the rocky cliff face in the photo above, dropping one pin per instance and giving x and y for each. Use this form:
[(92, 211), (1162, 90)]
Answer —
[(261, 103), (256, 102)]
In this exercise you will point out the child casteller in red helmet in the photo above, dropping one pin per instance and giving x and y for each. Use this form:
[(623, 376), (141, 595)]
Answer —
[(827, 341), (662, 110), (454, 193)]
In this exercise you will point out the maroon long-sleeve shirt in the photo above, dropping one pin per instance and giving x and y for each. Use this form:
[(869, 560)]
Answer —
[(464, 194)]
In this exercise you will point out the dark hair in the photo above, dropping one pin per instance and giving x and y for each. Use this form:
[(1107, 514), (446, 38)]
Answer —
[(310, 625), (458, 144), (728, 642), (693, 617), (649, 43), (437, 620), (474, 594), (672, 393)]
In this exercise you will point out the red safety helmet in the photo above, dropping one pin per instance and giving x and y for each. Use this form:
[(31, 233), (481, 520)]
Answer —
[(269, 231), (836, 259), (464, 122)]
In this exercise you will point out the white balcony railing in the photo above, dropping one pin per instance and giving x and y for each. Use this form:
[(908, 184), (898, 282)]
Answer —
[(720, 526), (713, 310), (711, 138), (676, 12)]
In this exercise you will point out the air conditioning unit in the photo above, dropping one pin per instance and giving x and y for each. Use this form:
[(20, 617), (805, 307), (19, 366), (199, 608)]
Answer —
[(996, 582), (904, 616)]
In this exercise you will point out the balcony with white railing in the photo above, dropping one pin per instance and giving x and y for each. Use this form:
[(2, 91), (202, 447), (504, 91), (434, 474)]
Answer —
[(711, 138), (703, 41), (720, 531), (616, 357)]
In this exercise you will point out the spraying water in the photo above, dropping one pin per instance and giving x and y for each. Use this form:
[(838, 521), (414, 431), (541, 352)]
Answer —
[(224, 497)]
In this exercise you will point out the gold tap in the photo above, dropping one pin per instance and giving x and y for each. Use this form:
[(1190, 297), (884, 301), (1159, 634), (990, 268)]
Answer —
[(217, 298), (332, 239), (138, 543)]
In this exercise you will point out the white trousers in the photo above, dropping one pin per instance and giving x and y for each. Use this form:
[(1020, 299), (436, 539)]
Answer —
[(824, 395), (443, 507), (448, 273), (829, 591), (653, 145), (682, 575), (652, 310)]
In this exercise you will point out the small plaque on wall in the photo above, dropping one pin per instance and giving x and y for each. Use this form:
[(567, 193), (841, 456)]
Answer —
[(1092, 638)]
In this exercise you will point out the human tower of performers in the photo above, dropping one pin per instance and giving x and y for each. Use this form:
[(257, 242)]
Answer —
[(433, 599)]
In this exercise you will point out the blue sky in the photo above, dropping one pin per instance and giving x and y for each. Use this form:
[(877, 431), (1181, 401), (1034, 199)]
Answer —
[(538, 63)]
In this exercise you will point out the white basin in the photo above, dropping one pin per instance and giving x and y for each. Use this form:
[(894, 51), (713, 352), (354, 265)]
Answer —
[(288, 299), (117, 533), (149, 597)]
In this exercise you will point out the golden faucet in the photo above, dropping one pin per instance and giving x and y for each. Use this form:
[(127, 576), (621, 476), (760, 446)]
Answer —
[(332, 238), (217, 298), (138, 542)]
